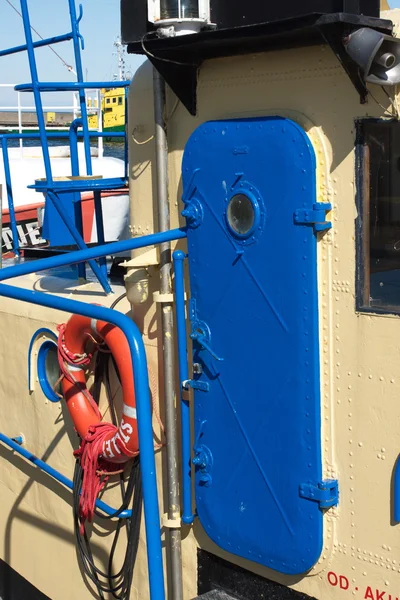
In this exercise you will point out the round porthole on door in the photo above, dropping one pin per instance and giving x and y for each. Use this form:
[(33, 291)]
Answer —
[(241, 214), (244, 214), (48, 371)]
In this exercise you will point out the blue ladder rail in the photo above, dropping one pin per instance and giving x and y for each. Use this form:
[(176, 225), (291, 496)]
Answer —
[(139, 365), (51, 188)]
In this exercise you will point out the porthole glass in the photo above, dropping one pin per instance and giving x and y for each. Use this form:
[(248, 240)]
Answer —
[(49, 371), (241, 214)]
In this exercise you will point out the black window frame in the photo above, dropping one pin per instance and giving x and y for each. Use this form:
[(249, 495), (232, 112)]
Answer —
[(362, 229)]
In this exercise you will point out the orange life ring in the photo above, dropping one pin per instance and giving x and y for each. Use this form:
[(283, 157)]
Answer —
[(124, 444)]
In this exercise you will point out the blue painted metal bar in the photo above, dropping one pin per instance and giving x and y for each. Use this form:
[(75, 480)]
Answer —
[(60, 135), (76, 40), (187, 513), (79, 185), (143, 406), (77, 256), (73, 145), (98, 211), (10, 197), (67, 86), (126, 147), (58, 205), (35, 89), (39, 44), (396, 512), (15, 444)]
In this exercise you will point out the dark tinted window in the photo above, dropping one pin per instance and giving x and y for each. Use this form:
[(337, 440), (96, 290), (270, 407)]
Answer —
[(378, 232)]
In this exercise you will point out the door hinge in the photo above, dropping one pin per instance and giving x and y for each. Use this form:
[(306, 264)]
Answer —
[(315, 216), (326, 493)]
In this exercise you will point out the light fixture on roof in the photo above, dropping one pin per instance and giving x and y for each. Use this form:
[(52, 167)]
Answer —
[(377, 55), (178, 17)]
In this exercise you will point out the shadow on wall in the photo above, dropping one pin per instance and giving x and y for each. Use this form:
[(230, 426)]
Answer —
[(17, 513)]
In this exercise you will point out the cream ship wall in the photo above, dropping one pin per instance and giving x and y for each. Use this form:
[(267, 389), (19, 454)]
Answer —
[(360, 377), (36, 525)]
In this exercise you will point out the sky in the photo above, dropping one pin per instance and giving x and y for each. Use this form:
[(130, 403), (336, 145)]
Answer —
[(100, 27)]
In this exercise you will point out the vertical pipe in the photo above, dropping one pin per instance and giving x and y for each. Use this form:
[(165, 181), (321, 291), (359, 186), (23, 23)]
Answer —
[(58, 205), (11, 210), (161, 164), (98, 211), (36, 91), (73, 148), (179, 258), (82, 97)]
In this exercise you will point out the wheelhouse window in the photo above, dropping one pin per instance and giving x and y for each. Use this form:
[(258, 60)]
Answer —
[(378, 231)]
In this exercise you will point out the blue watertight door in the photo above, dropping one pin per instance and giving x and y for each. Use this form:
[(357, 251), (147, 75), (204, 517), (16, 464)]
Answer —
[(249, 194)]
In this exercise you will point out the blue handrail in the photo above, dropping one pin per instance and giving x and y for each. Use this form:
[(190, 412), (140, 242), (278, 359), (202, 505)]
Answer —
[(139, 365), (14, 445), (187, 513), (143, 407), (77, 256), (65, 86)]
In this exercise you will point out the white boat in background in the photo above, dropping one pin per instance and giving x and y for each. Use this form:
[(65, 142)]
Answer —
[(27, 165)]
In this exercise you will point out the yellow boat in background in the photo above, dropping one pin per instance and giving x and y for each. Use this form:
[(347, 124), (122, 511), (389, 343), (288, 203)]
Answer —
[(112, 100), (113, 111)]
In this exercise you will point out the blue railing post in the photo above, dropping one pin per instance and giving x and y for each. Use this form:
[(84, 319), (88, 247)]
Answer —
[(98, 208), (187, 513), (11, 209), (58, 205)]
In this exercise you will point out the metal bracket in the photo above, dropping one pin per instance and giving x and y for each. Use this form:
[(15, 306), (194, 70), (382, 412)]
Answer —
[(315, 216), (163, 298), (196, 384), (326, 493), (171, 523)]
